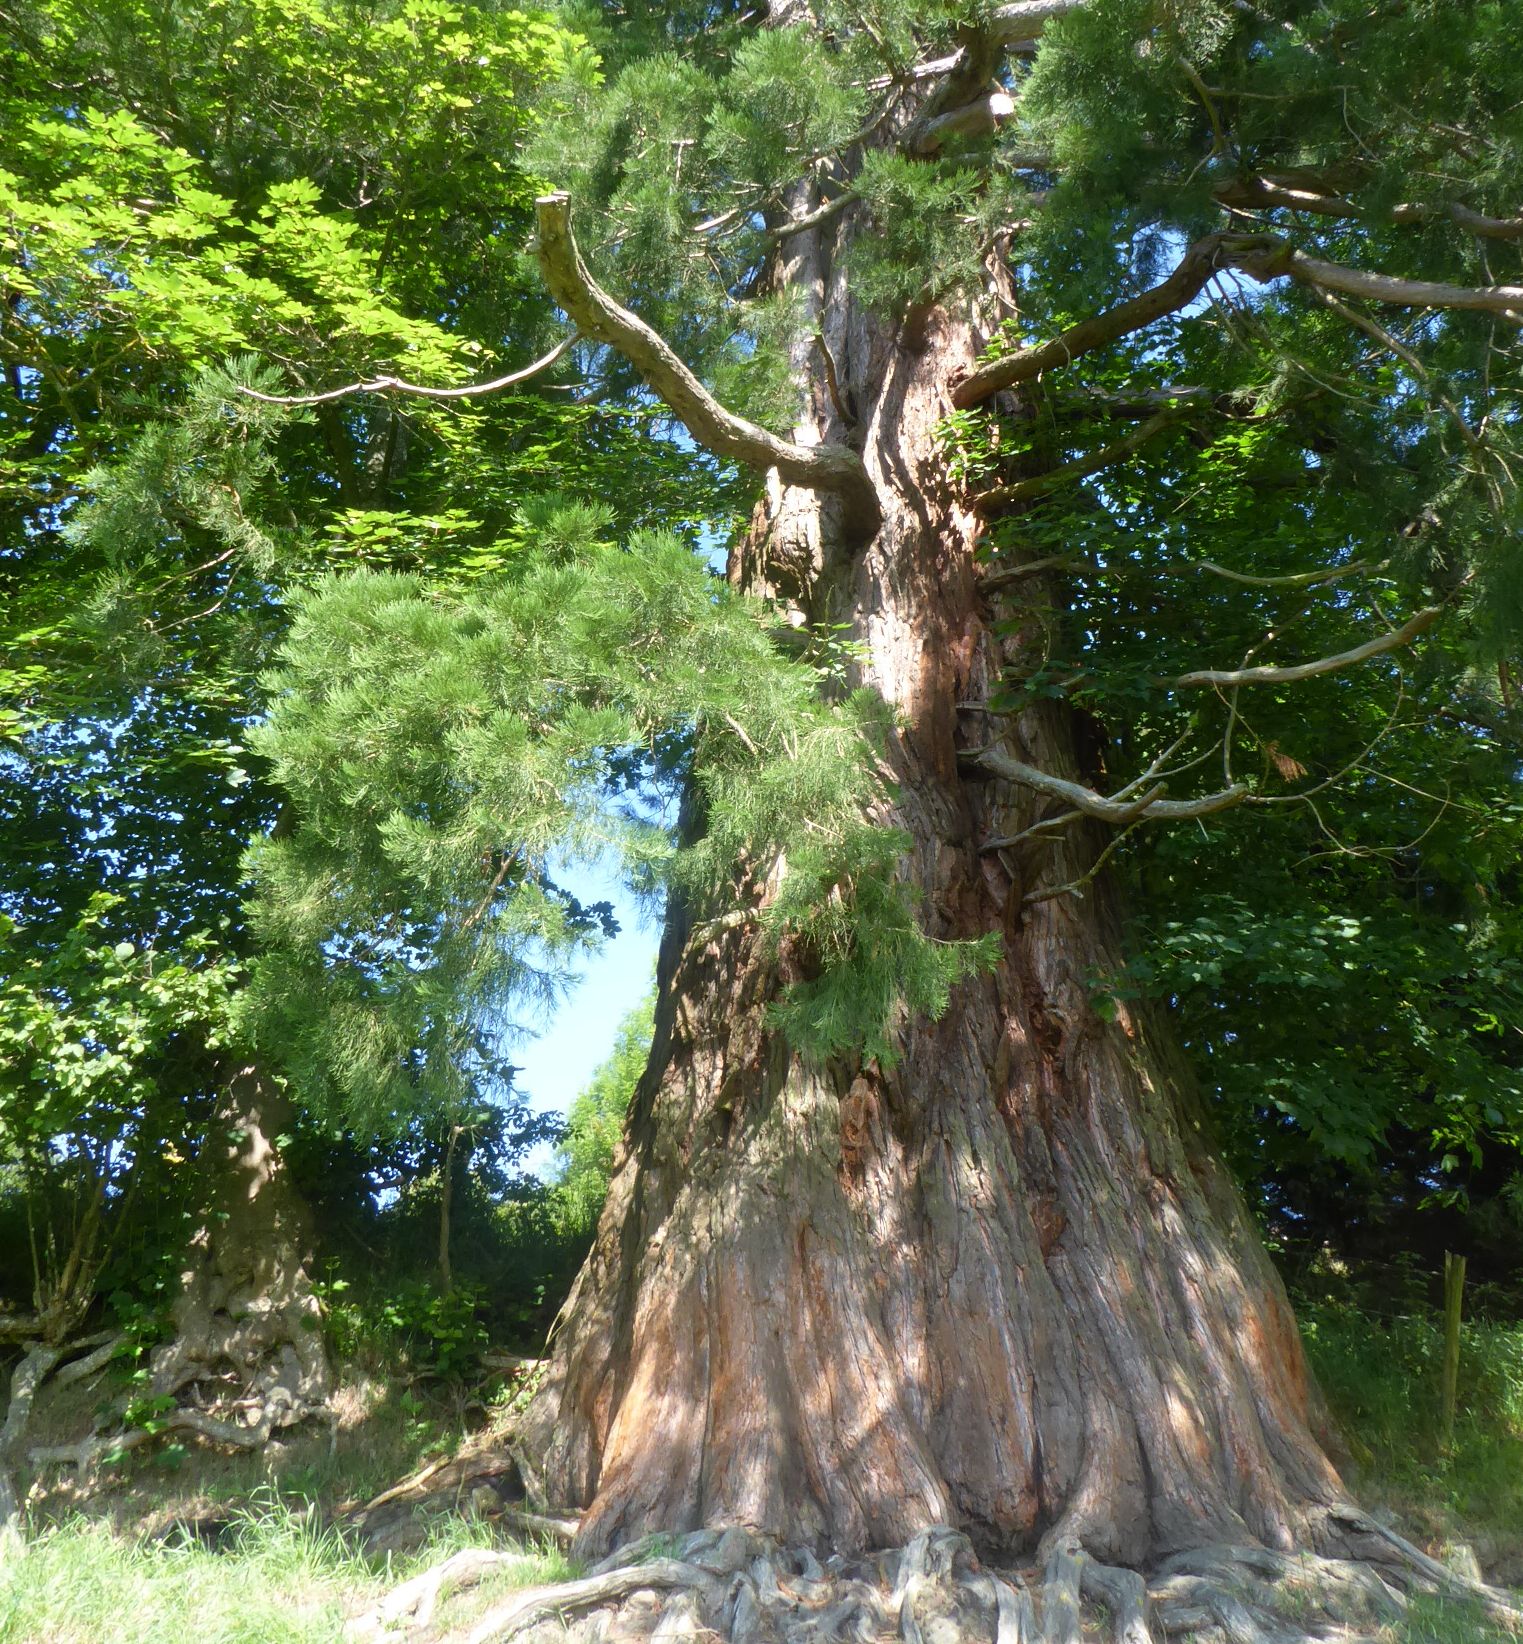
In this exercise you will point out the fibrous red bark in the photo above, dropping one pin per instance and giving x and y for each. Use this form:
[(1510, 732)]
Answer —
[(1006, 1284)]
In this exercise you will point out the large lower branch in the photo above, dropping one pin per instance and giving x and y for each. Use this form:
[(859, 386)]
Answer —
[(829, 468), (1263, 258)]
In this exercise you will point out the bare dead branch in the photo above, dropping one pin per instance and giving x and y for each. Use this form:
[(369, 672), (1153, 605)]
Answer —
[(1490, 228), (1298, 579), (1269, 263), (1075, 887), (1269, 193), (377, 384), (829, 468), (1356, 763), (1394, 345), (1046, 830), (1151, 806), (1033, 567), (814, 219), (1419, 623)]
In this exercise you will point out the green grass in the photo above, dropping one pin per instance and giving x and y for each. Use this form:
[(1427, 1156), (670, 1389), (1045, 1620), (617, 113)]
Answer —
[(1442, 1621), (279, 1580), (1381, 1378)]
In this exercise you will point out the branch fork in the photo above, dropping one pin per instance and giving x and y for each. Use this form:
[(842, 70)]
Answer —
[(832, 469)]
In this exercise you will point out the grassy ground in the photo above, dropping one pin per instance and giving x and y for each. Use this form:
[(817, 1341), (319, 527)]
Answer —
[(113, 1565), (384, 1431), (277, 1578), (1381, 1378), (103, 1568)]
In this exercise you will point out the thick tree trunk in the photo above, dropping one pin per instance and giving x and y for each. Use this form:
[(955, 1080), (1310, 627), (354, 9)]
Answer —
[(1006, 1285)]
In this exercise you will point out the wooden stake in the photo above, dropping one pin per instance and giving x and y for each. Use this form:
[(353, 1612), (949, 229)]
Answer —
[(1454, 1296)]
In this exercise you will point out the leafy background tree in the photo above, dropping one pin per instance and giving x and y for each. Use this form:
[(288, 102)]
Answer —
[(158, 520)]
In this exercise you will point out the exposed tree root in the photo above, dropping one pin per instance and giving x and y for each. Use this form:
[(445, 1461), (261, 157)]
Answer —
[(743, 1587), (480, 1481), (28, 1376), (41, 1360), (243, 1424), (1382, 1545)]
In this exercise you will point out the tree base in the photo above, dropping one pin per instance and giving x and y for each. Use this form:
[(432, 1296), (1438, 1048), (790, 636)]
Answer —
[(744, 1587)]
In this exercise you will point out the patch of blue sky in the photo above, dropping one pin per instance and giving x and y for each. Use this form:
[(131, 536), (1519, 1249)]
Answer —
[(561, 1050)]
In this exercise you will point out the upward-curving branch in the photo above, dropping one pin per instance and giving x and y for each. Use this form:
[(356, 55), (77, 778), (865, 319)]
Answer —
[(1293, 673), (830, 468)]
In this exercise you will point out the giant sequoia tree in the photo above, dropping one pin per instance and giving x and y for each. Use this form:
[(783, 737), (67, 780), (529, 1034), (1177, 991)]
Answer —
[(1132, 386), (995, 1277)]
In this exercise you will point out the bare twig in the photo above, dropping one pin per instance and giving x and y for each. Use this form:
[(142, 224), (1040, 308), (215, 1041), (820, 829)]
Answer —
[(1003, 577), (1152, 806), (1074, 886), (376, 384), (1038, 485), (1289, 675), (1268, 193)]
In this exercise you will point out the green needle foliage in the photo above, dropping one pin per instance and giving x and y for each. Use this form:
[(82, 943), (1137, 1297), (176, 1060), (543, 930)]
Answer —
[(449, 757)]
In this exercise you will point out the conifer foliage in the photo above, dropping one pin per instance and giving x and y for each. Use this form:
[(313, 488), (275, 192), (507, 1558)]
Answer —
[(449, 758)]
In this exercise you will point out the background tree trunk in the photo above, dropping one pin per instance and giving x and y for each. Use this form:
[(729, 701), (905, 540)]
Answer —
[(1005, 1285), (247, 1326)]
